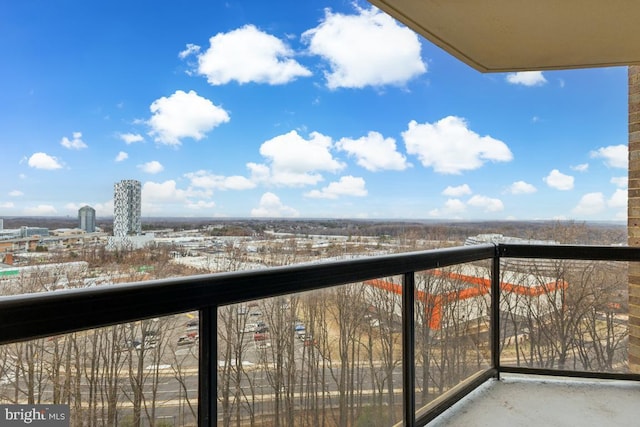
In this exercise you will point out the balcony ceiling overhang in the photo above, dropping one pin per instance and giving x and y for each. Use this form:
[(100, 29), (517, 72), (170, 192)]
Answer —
[(519, 35)]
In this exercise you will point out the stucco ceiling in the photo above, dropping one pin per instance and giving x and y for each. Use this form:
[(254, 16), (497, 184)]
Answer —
[(519, 35)]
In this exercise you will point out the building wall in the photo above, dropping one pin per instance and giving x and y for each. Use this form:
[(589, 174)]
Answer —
[(127, 208), (633, 217)]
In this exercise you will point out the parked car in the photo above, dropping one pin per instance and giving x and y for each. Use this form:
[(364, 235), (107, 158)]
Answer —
[(250, 327), (260, 336), (186, 340)]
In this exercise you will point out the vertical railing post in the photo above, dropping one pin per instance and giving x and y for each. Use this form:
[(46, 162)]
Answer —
[(495, 312), (408, 348), (208, 368)]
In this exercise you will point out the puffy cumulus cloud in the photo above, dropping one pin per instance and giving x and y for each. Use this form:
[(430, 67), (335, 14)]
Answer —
[(581, 167), (558, 180), (204, 179), (16, 193), (618, 199), (295, 161), (365, 49), (452, 208), (614, 156), (183, 115), (122, 156), (247, 55), (167, 192), (460, 190), (521, 187), (131, 138), (590, 204), (44, 161), (152, 167), (346, 186), (374, 152), (620, 181), (271, 206), (488, 204), (526, 78), (75, 143), (450, 147), (40, 210)]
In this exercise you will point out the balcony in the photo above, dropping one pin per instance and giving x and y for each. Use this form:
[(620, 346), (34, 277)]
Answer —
[(500, 334)]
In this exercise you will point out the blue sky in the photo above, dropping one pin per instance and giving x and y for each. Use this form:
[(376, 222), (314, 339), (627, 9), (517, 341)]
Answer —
[(292, 109)]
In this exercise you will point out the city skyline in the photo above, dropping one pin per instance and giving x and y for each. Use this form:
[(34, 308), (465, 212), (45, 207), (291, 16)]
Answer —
[(304, 111)]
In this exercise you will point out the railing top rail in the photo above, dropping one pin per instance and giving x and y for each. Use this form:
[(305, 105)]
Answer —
[(51, 313), (576, 252)]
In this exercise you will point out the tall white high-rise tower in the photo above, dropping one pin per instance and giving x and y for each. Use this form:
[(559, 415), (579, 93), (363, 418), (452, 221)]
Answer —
[(127, 209)]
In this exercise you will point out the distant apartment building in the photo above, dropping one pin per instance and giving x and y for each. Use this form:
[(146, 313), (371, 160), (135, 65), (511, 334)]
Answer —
[(127, 208), (87, 219)]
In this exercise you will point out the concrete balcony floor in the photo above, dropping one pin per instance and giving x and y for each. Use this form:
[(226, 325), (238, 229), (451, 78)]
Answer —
[(523, 401)]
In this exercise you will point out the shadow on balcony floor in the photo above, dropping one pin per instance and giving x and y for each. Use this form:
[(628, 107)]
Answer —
[(523, 401)]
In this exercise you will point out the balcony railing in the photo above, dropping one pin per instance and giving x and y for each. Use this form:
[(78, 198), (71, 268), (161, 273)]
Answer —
[(26, 317)]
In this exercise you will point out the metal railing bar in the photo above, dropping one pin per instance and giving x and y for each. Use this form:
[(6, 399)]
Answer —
[(77, 309), (569, 373), (207, 367), (436, 407), (408, 348), (583, 252), (495, 315)]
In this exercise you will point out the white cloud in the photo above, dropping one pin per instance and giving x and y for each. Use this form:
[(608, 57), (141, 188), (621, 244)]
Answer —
[(365, 49), (581, 167), (521, 187), (558, 180), (374, 152), (204, 179), (167, 192), (151, 167), (190, 49), (44, 161), (488, 204), (121, 156), (450, 147), (131, 138), (6, 205), (40, 210), (201, 204), (614, 156), (346, 186), (620, 181), (526, 78), (16, 193), (271, 206), (76, 143), (590, 204), (184, 115), (102, 209), (295, 161), (248, 55), (452, 208), (460, 190), (618, 199)]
